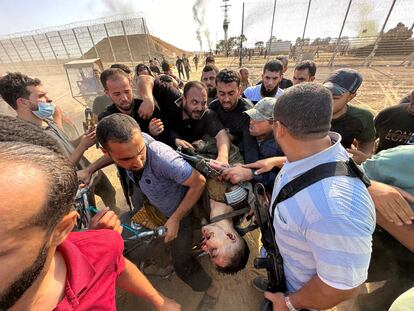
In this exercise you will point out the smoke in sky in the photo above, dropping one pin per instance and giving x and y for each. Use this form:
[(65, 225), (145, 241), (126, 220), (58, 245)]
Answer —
[(199, 12)]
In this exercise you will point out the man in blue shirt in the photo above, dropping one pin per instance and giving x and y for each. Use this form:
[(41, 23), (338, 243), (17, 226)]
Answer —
[(324, 232), (169, 183)]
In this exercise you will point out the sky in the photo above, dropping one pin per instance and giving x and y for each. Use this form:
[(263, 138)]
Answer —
[(173, 20)]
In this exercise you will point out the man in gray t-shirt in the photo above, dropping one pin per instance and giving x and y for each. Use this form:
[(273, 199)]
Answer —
[(169, 183)]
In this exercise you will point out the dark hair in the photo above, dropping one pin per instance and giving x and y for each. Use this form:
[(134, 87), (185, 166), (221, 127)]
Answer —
[(18, 130), (273, 66), (228, 76), (306, 110), (61, 175), (238, 261), (210, 59), (284, 59), (165, 66), (123, 67), (141, 67), (112, 74), (14, 85), (307, 64), (117, 127), (209, 68), (190, 84), (165, 78)]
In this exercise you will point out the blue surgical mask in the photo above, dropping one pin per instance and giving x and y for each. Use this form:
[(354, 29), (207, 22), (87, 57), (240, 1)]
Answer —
[(44, 110)]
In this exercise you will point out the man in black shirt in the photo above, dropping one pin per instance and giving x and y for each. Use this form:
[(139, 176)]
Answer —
[(229, 106), (395, 125), (285, 83), (192, 121), (208, 77), (117, 85), (351, 122)]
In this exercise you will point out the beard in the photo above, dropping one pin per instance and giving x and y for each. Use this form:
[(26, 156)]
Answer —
[(26, 279), (211, 92), (194, 114), (266, 93)]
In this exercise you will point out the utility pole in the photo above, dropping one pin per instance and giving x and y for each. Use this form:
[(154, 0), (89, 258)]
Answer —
[(226, 23), (241, 40), (271, 29)]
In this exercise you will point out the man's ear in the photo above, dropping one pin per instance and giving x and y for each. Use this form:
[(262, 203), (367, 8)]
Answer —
[(21, 102), (351, 96), (64, 227), (232, 237), (104, 151), (107, 92), (312, 78)]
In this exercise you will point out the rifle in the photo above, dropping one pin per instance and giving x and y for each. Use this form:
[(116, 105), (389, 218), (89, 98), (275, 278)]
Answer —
[(273, 262)]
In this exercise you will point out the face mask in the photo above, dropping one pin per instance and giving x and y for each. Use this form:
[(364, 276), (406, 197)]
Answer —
[(44, 110)]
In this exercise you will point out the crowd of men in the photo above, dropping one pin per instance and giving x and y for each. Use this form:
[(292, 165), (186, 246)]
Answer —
[(273, 132)]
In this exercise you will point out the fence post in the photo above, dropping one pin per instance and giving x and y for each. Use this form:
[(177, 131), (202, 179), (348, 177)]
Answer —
[(40, 52), (64, 46), (331, 62), (93, 42), (369, 58), (77, 42), (127, 42), (110, 43), (271, 29), (241, 40), (304, 30)]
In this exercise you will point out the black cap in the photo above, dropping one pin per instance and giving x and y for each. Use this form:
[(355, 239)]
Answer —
[(343, 80)]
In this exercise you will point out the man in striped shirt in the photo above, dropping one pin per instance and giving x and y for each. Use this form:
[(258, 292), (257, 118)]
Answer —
[(324, 232)]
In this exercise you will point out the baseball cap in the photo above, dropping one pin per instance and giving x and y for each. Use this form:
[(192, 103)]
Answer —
[(263, 110), (343, 80)]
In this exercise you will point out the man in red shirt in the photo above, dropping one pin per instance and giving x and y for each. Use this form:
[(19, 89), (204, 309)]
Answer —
[(45, 266)]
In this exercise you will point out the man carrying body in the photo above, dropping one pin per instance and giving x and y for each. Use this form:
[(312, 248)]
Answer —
[(208, 77), (192, 121), (170, 184), (244, 79), (323, 232), (48, 267), (229, 106), (351, 122), (271, 77), (261, 145), (304, 72), (29, 98), (395, 125), (118, 87)]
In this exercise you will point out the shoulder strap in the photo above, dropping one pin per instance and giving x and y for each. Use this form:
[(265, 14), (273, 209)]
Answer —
[(229, 215), (322, 171)]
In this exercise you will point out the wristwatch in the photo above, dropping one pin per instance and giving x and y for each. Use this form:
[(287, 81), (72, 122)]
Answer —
[(289, 304)]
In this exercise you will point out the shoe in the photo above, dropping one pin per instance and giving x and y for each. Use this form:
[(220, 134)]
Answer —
[(260, 283), (208, 303)]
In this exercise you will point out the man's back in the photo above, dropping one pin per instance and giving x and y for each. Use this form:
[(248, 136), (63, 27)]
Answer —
[(356, 123), (395, 126), (323, 224), (94, 260)]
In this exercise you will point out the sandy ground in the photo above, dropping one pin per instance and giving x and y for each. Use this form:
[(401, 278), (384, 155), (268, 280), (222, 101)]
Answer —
[(383, 86)]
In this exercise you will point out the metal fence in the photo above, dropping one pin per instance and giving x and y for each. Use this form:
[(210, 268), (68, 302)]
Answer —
[(110, 39), (333, 33)]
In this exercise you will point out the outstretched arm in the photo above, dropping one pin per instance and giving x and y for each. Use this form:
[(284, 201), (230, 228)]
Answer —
[(134, 281)]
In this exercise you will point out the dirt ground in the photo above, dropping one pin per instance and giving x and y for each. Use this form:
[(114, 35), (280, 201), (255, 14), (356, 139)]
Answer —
[(382, 86)]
